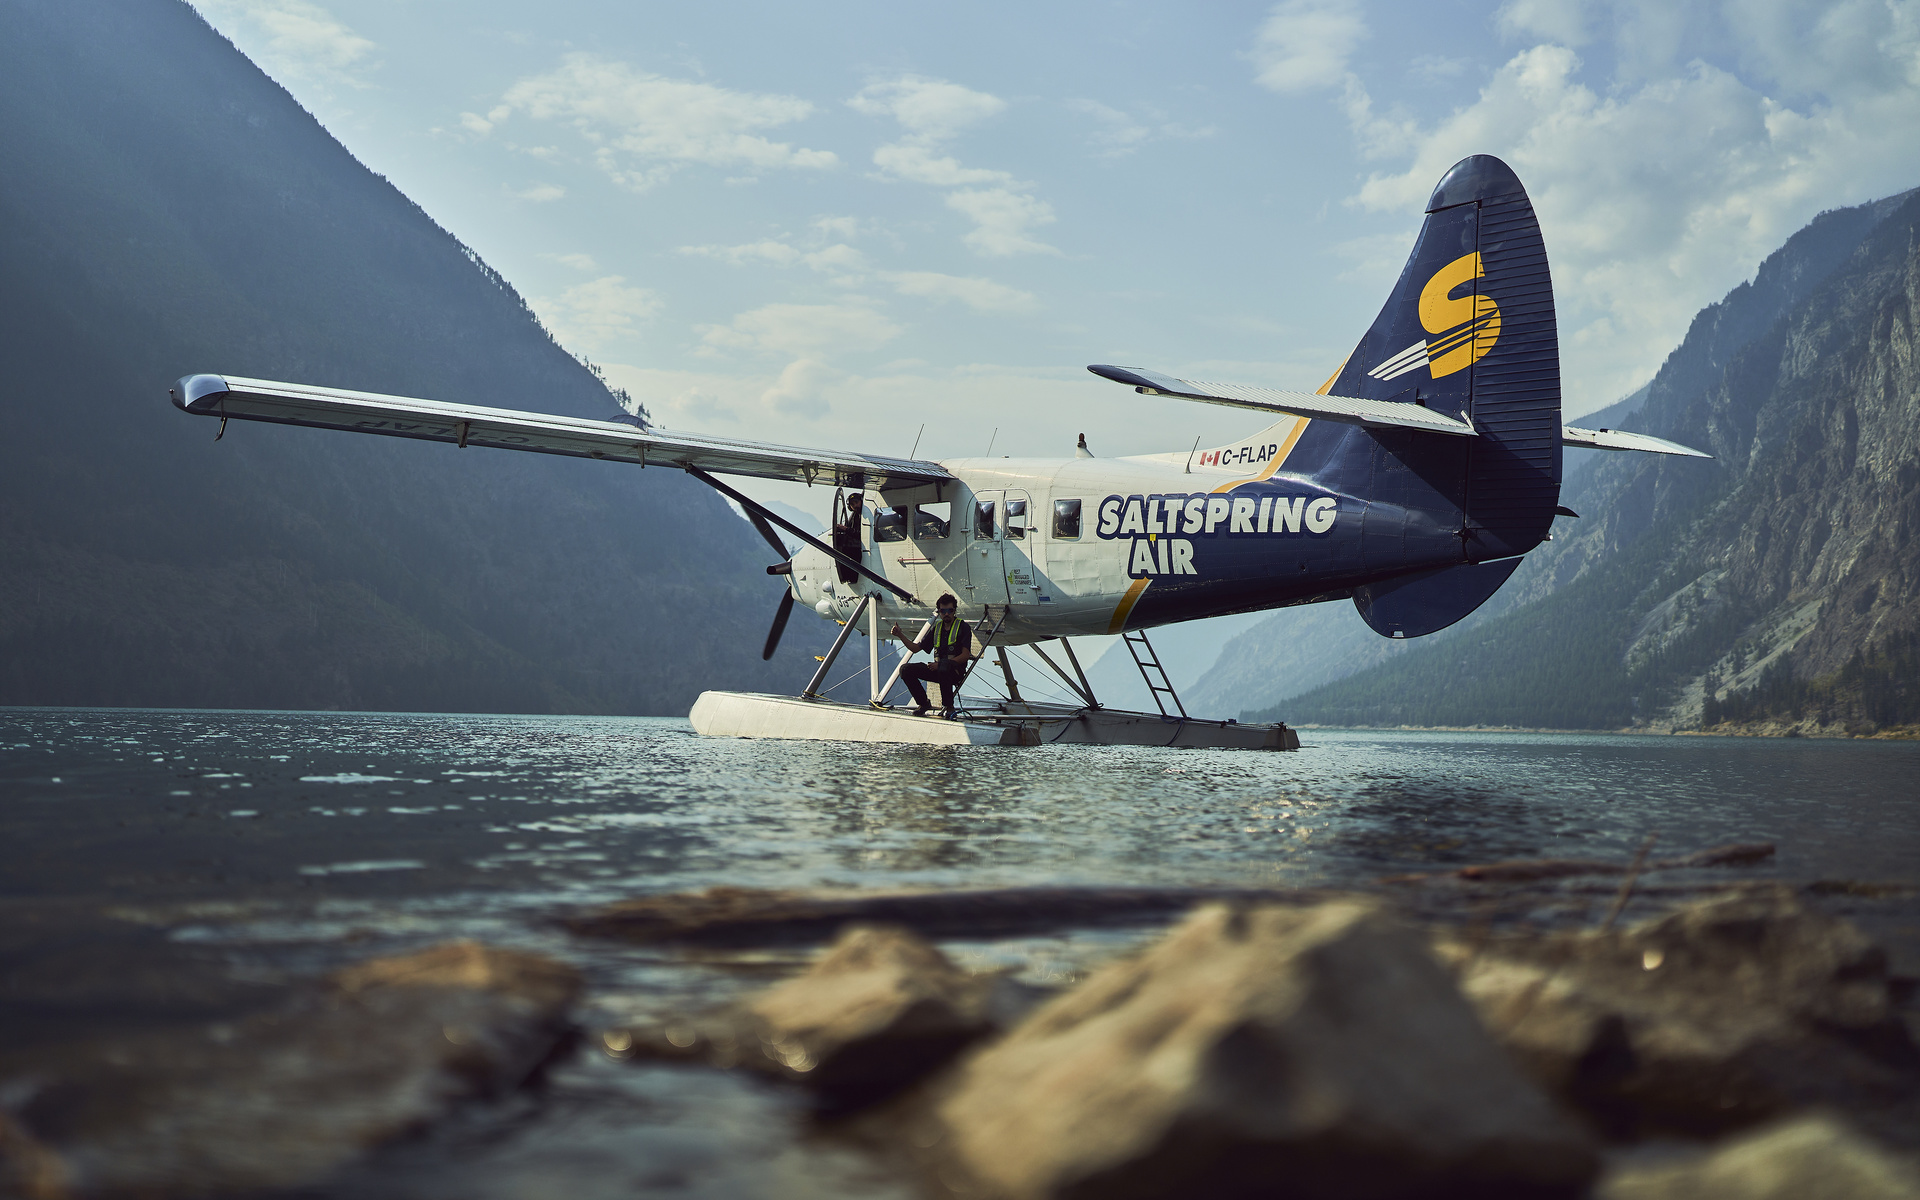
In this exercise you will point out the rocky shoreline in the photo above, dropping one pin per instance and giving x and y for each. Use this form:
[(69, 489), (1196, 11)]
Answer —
[(1458, 1033)]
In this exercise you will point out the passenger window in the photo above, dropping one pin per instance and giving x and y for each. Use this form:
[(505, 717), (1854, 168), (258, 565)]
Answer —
[(1066, 518), (932, 520), (1016, 519), (983, 519), (889, 524)]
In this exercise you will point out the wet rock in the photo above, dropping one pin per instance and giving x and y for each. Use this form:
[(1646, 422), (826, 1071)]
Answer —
[(762, 916), (1808, 1157), (1717, 1016), (1313, 1052), (284, 1098), (880, 1009)]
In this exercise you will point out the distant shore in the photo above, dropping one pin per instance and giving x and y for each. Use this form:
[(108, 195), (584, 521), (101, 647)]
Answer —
[(1751, 729)]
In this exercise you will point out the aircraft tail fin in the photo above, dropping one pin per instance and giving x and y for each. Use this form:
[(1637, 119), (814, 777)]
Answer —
[(1469, 332)]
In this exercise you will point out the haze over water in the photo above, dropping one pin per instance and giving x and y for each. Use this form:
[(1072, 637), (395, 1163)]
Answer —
[(171, 866)]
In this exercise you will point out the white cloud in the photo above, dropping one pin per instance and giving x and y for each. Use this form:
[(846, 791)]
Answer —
[(933, 111), (541, 193), (840, 260), (778, 253), (294, 38), (1122, 133), (801, 390), (1660, 191), (1001, 220), (598, 314), (1562, 21), (803, 330), (579, 262), (916, 163), (981, 295), (1305, 44), (841, 227), (1437, 68), (640, 127), (697, 403)]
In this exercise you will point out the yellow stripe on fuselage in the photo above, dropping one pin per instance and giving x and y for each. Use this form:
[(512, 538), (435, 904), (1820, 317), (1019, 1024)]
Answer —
[(1273, 464), (1124, 609)]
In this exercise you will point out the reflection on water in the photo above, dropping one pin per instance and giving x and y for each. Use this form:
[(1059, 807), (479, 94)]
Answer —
[(254, 848)]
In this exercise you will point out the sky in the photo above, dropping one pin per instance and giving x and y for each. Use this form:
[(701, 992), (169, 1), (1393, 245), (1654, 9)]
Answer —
[(906, 228)]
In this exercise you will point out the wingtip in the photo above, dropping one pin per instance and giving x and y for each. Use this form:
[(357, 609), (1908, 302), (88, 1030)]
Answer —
[(198, 393)]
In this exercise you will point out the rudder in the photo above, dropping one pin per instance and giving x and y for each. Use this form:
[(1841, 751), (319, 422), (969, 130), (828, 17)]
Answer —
[(1469, 330)]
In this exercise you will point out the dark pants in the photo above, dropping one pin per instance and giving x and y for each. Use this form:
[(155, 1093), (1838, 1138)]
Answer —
[(948, 675)]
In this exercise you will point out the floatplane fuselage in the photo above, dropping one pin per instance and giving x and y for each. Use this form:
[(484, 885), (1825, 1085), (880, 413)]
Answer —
[(1046, 548)]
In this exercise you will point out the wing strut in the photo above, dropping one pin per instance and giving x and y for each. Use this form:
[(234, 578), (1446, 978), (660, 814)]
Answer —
[(853, 564)]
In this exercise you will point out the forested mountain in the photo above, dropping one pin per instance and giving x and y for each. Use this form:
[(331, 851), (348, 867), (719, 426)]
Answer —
[(1774, 586), (165, 208)]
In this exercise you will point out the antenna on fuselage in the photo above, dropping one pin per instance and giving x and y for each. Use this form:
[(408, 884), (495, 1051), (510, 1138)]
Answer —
[(990, 441), (916, 440), (1196, 446)]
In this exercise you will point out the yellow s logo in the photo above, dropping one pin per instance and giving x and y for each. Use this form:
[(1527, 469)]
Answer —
[(1469, 324)]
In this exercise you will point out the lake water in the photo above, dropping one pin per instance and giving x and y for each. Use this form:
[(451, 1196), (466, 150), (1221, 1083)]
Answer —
[(168, 866)]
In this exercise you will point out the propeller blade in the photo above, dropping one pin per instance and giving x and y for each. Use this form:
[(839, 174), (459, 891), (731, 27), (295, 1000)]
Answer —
[(779, 625), (766, 531)]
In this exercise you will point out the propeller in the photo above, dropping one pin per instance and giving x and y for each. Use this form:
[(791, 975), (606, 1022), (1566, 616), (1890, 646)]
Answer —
[(783, 567), (780, 616)]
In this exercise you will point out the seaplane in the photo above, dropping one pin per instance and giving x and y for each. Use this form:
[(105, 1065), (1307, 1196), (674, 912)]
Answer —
[(1411, 483)]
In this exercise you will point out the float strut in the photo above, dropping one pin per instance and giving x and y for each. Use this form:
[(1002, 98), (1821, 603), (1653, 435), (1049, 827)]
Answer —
[(904, 659), (812, 692)]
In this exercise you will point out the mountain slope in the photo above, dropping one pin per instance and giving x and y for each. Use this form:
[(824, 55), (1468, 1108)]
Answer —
[(1791, 552), (165, 208)]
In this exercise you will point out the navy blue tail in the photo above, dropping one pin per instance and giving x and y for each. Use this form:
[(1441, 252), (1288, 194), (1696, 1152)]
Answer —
[(1469, 330)]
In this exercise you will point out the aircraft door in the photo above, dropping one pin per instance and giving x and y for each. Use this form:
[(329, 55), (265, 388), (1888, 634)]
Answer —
[(1019, 533), (987, 581)]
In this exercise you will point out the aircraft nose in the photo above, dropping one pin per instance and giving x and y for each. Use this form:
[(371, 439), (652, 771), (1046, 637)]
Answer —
[(811, 574)]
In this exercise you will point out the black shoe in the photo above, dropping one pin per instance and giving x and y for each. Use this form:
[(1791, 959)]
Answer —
[(921, 710), (946, 714)]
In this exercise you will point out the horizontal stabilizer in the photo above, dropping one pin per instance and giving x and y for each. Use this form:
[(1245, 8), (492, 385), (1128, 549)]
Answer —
[(1619, 439), (1428, 601), (1349, 410), (543, 433)]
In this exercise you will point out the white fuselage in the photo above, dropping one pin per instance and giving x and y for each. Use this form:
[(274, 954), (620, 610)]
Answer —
[(1068, 547)]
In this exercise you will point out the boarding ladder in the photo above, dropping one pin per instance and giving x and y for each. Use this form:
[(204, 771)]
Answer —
[(1149, 664)]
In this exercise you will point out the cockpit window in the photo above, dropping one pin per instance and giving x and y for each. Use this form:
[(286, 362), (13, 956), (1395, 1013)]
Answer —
[(1066, 518), (983, 519), (889, 524), (932, 520), (1016, 519)]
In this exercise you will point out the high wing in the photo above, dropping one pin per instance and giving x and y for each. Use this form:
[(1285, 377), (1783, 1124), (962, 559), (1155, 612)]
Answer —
[(229, 396), (1620, 439), (1349, 410)]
